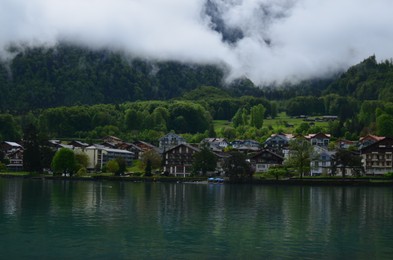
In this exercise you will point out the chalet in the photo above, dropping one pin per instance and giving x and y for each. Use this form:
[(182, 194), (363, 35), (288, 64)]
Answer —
[(178, 160), (246, 146), (9, 147), (377, 157), (99, 155), (265, 159), (112, 139), (319, 139), (169, 141), (143, 147), (14, 153), (345, 144), (15, 160), (216, 144), (78, 144), (321, 161), (278, 142), (369, 139)]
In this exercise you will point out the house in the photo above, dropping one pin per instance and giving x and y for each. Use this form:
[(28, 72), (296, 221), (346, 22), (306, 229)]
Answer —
[(99, 155), (57, 145), (142, 147), (216, 144), (345, 144), (246, 145), (15, 160), (9, 147), (13, 152), (78, 144), (319, 139), (265, 159), (321, 161), (178, 160), (169, 141), (377, 157), (112, 139), (369, 139), (278, 142)]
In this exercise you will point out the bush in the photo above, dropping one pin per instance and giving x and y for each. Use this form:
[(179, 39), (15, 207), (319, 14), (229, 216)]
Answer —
[(81, 172), (389, 175)]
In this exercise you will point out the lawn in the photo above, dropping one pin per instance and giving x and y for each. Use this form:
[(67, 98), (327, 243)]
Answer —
[(282, 122)]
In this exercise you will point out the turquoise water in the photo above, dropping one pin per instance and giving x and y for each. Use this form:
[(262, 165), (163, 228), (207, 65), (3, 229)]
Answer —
[(112, 220)]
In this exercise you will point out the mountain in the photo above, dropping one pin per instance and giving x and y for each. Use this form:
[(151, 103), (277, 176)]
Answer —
[(68, 75), (368, 80)]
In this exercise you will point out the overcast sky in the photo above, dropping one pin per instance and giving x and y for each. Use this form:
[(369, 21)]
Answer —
[(275, 40)]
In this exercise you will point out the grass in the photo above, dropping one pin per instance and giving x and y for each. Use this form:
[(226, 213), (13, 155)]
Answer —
[(220, 124), (15, 173), (280, 123)]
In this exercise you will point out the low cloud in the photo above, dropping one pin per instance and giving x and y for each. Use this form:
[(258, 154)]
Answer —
[(272, 41)]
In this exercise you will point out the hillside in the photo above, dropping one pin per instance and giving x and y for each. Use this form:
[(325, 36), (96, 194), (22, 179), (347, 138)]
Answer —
[(368, 80), (68, 75)]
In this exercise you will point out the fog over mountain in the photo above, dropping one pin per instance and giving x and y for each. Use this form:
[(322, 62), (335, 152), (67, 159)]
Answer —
[(268, 41)]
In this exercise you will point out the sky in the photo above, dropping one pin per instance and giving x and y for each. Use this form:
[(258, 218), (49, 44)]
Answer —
[(268, 41)]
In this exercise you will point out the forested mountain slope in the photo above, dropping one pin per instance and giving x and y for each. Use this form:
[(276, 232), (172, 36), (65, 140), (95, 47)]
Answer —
[(68, 75), (368, 80)]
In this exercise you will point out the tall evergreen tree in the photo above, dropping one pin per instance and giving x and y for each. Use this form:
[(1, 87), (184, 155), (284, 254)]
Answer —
[(32, 152)]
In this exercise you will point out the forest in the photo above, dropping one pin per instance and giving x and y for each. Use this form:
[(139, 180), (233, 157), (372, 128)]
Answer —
[(73, 92)]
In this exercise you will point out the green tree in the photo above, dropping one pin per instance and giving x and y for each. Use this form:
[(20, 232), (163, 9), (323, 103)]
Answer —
[(112, 166), (385, 125), (121, 162), (277, 171), (204, 160), (64, 161), (237, 167), (148, 168), (81, 161), (344, 159), (257, 114), (301, 153), (32, 159), (153, 156), (237, 119)]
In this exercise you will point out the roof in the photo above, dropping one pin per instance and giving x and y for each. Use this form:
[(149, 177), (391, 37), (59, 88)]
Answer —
[(184, 144), (267, 151), (372, 137), (310, 136), (13, 144), (173, 135), (101, 147)]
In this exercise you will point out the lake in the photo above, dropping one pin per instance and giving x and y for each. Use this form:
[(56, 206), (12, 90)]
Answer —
[(49, 219)]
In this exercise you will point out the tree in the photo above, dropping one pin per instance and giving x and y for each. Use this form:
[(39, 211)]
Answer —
[(148, 168), (344, 159), (81, 161), (204, 161), (237, 119), (277, 171), (237, 167), (153, 156), (64, 162), (385, 125), (257, 114), (112, 166), (122, 166), (301, 152), (32, 161)]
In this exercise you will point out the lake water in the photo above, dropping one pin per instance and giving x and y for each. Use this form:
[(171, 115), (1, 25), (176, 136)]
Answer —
[(44, 219)]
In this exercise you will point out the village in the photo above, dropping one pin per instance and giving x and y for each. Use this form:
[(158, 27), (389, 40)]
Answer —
[(374, 152)]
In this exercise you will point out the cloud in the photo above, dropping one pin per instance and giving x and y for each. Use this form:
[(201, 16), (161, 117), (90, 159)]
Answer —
[(268, 41)]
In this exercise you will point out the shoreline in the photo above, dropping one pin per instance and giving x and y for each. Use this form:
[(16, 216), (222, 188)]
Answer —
[(203, 180)]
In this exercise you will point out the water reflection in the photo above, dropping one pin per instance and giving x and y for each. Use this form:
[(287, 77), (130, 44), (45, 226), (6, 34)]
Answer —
[(158, 220)]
